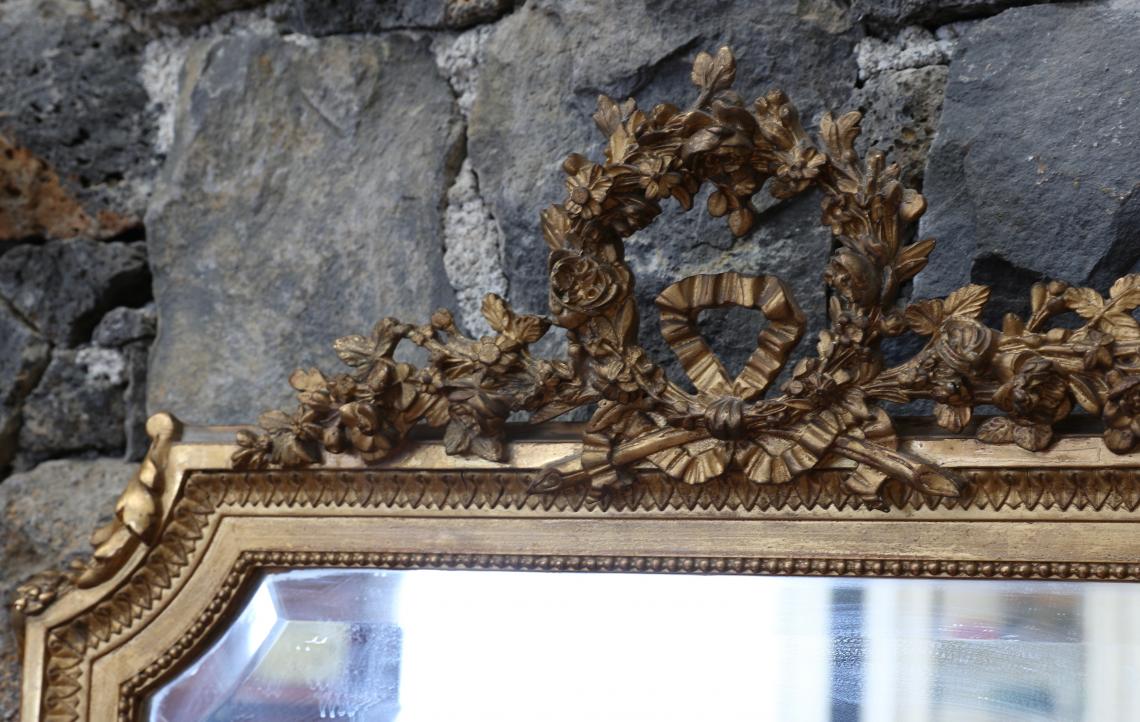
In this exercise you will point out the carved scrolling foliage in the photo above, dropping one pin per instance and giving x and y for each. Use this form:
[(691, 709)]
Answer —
[(831, 405)]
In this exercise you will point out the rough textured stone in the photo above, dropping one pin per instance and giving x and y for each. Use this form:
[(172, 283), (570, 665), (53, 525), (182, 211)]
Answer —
[(134, 400), (46, 517), (64, 287), (123, 325), (545, 66), (77, 405), (186, 14), (897, 13), (900, 116), (473, 250), (1034, 168), (70, 92), (329, 17), (460, 58), (912, 47), (23, 356), (301, 201)]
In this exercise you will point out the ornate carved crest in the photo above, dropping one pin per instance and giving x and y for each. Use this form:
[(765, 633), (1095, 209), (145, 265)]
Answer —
[(831, 405)]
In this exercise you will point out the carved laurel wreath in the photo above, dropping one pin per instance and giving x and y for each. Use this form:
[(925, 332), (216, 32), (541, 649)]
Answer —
[(828, 409)]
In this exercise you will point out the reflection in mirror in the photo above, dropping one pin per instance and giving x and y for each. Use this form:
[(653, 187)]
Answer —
[(441, 646)]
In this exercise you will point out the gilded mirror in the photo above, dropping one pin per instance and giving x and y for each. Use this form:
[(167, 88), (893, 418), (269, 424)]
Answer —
[(765, 545)]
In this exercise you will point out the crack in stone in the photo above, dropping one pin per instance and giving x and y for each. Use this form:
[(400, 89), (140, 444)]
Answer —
[(472, 239)]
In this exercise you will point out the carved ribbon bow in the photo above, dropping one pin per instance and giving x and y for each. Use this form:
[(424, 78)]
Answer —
[(727, 424), (719, 413)]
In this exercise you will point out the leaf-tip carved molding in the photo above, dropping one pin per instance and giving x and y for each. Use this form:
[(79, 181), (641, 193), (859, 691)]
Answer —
[(831, 406)]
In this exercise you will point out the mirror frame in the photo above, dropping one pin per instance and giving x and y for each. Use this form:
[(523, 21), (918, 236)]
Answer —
[(94, 652)]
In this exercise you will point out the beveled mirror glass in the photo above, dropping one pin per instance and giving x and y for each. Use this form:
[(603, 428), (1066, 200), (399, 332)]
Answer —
[(437, 646)]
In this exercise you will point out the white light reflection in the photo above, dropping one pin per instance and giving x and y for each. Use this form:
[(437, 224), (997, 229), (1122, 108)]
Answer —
[(562, 646)]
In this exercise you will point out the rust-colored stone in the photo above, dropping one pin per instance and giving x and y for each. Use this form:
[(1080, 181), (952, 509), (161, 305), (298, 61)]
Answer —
[(34, 202)]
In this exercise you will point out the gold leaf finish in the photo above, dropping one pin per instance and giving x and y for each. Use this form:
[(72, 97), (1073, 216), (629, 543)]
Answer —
[(738, 426)]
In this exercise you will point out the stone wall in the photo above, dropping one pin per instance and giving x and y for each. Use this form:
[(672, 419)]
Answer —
[(198, 195)]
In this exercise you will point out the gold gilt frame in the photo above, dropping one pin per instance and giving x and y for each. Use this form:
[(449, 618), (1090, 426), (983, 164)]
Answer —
[(719, 478)]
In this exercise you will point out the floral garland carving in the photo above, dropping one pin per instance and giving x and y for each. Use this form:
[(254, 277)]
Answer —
[(830, 407)]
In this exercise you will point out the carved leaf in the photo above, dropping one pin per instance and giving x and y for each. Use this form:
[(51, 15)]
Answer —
[(627, 320), (967, 301), (605, 330), (1083, 388), (998, 430), (546, 481), (457, 438), (924, 317), (953, 418), (714, 74), (527, 329), (355, 351), (701, 142), (275, 421), (609, 414), (608, 115), (1085, 301), (555, 227), (913, 258), (1121, 325), (488, 448), (839, 135), (308, 380), (496, 312), (1125, 293), (553, 410), (1032, 437)]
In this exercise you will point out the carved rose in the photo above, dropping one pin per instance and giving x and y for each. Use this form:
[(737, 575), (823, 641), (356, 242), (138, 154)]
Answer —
[(581, 283), (854, 277), (1122, 412), (966, 345), (1035, 395), (1036, 392)]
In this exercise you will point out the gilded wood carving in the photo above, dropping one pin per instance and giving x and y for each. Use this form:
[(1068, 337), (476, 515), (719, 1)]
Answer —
[(831, 406)]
